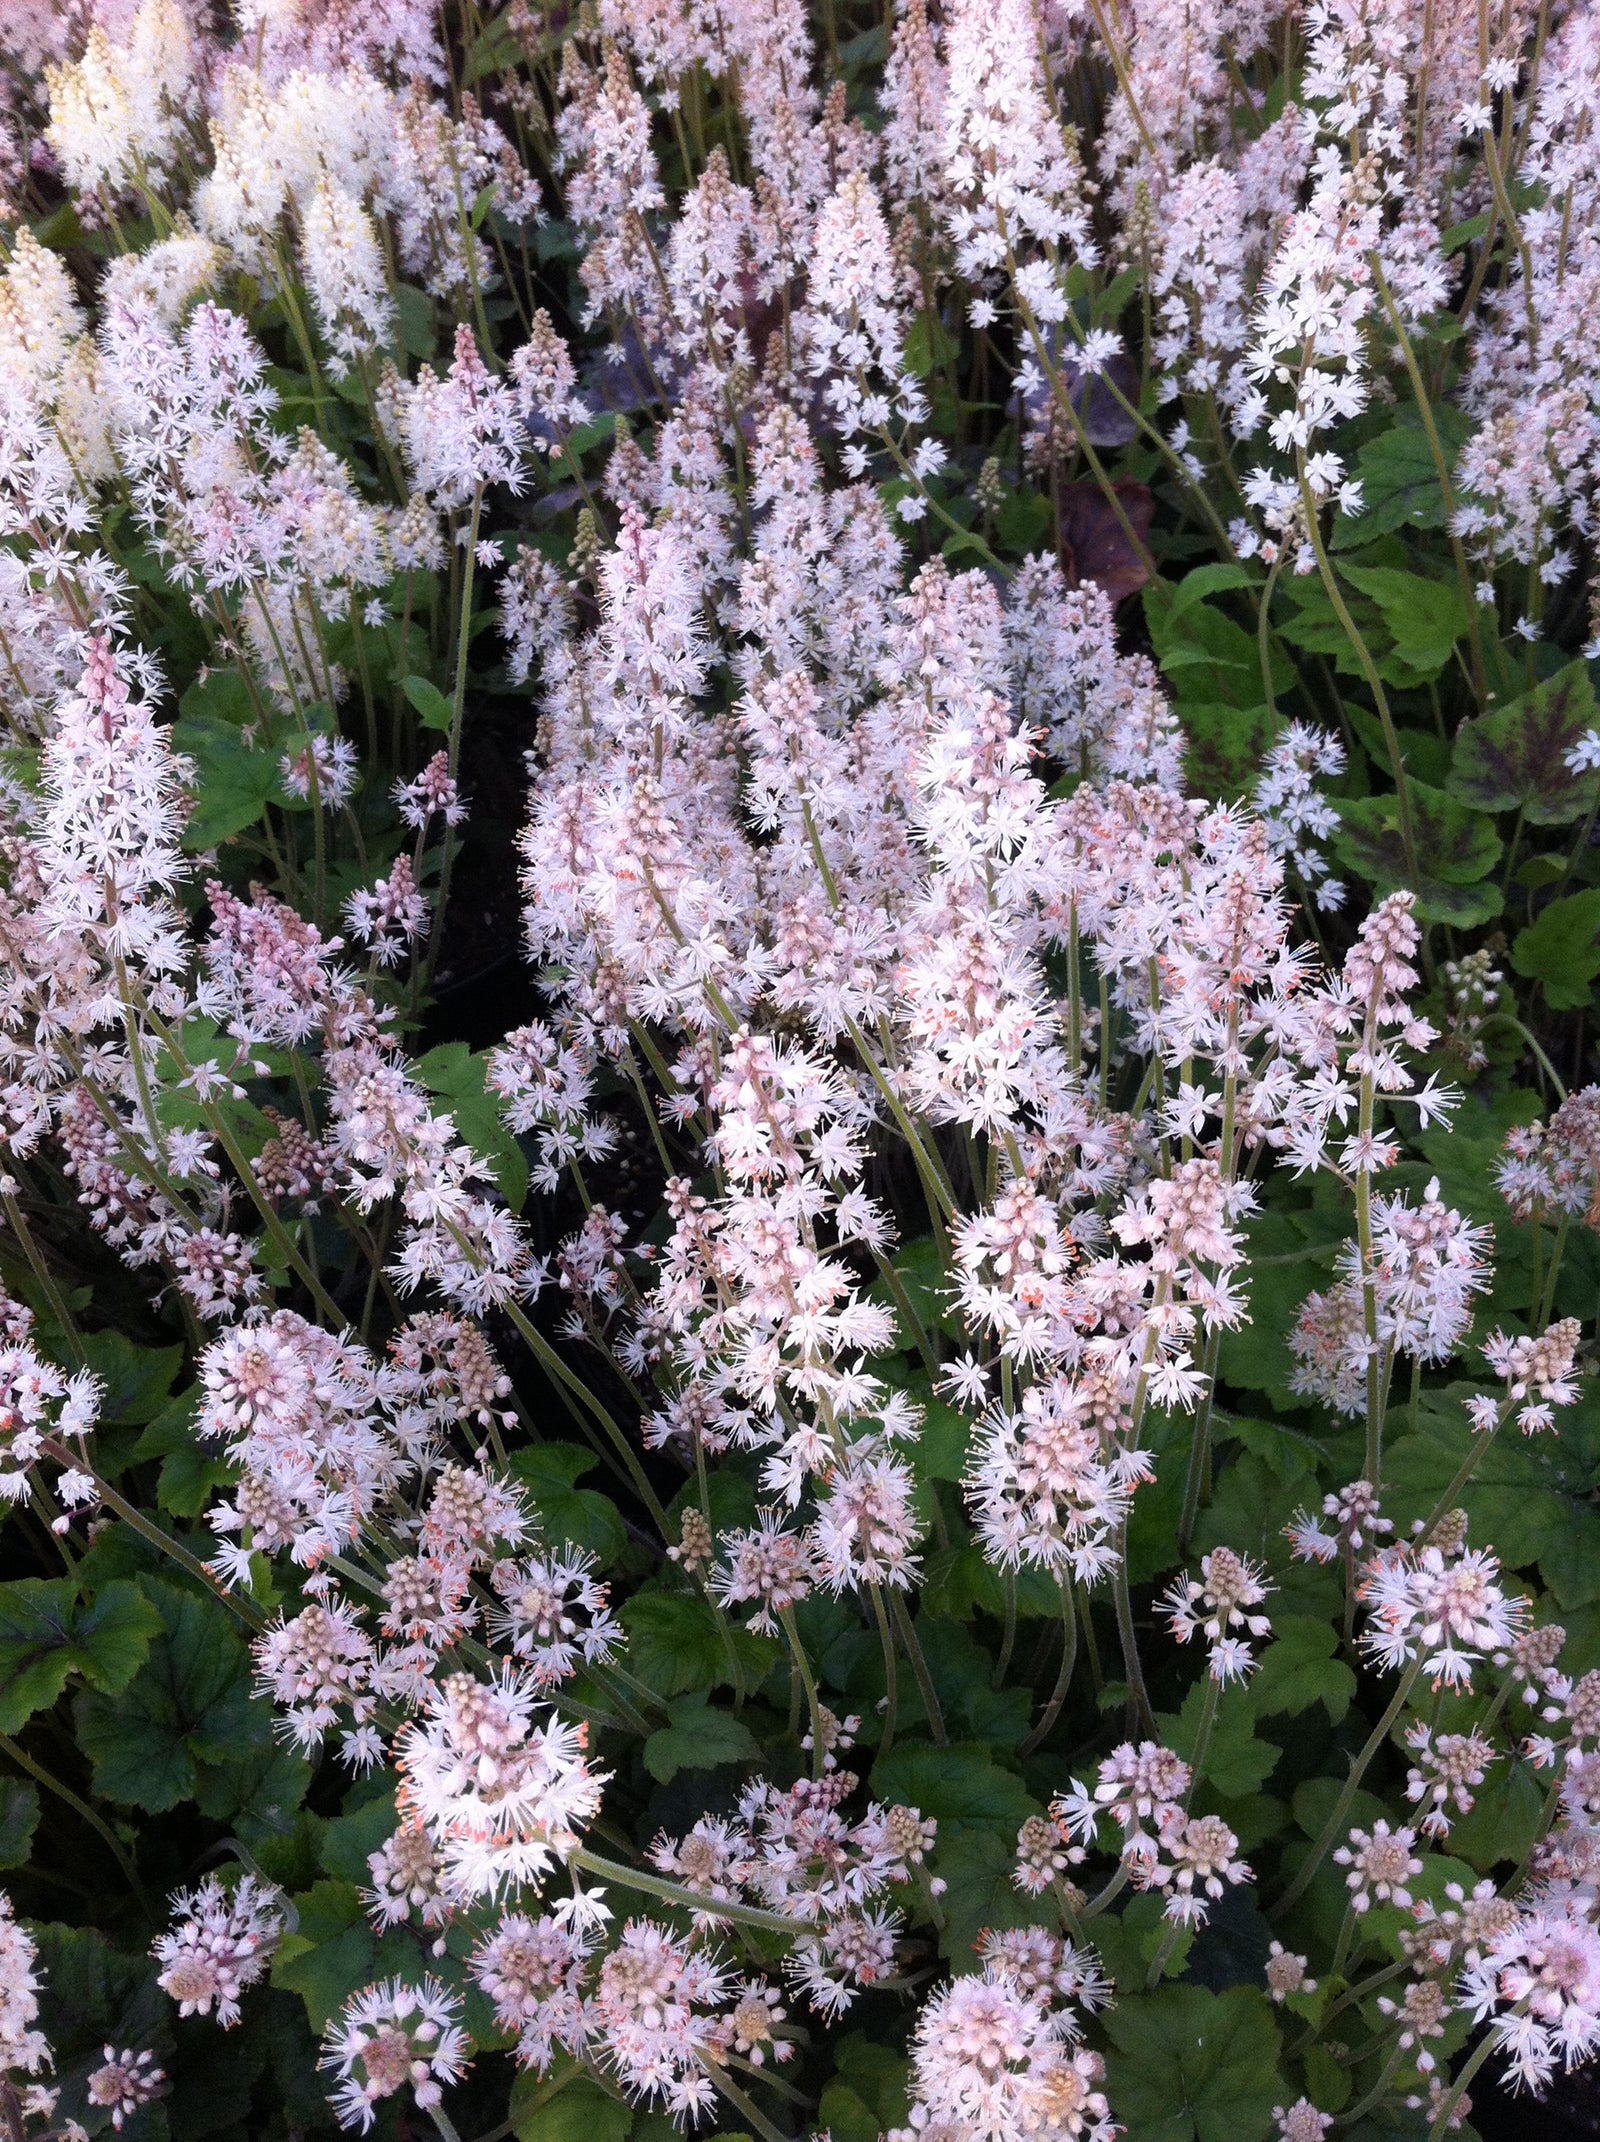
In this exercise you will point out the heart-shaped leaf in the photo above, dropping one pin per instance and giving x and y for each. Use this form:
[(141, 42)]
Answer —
[(1424, 618), (1456, 849), (1515, 758), (1561, 949)]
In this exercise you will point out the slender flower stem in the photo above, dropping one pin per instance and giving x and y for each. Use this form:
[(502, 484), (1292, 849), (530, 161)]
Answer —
[(246, 1610), (657, 1885), (1465, 1470), (1200, 1448), (1378, 2091), (742, 2104), (1069, 1659), (1334, 1826), (553, 1365), (919, 1666), (42, 1273), (808, 1681), (1202, 1736), (1171, 1935), (891, 1687), (97, 1822), (1458, 2089), (458, 701), (1369, 670)]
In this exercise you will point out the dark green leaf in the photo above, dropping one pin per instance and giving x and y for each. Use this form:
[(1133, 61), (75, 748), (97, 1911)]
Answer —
[(90, 1991), (1424, 753), (698, 1738), (47, 1634), (962, 1787), (1506, 1819), (1022, 522), (1249, 1509), (220, 696), (453, 1073), (349, 1840), (674, 1644), (60, 230), (1235, 1763), (1400, 479), (1560, 949), (566, 2106), (1207, 580), (1456, 849), (136, 1379), (1185, 2063), (190, 1473), (233, 782), (1425, 618), (1209, 656), (19, 1816), (941, 1448), (434, 711), (928, 344), (976, 1866), (329, 1956), (1288, 1451), (1283, 1266), (414, 319), (1514, 758), (580, 1517), (190, 1704), (961, 1578), (1300, 1667), (875, 2077), (1224, 747)]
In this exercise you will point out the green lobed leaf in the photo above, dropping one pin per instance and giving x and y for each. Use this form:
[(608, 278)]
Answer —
[(566, 2105), (961, 1786), (19, 1817), (47, 1634), (434, 711), (674, 1644), (1299, 1668), (1456, 849), (414, 320), (1249, 1508), (868, 2093), (1424, 617), (1186, 2065), (578, 1517), (1400, 478), (1224, 746), (91, 1991), (190, 1473), (1236, 1764), (135, 1380), (698, 1738), (329, 1955), (1208, 655), (1518, 1497), (1560, 949), (349, 1840), (928, 344), (958, 1579), (189, 1705), (1022, 522), (976, 1867), (1514, 758), (455, 1074), (234, 782)]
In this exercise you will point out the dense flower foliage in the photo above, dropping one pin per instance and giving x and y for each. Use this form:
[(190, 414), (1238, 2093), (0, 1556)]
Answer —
[(837, 769)]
